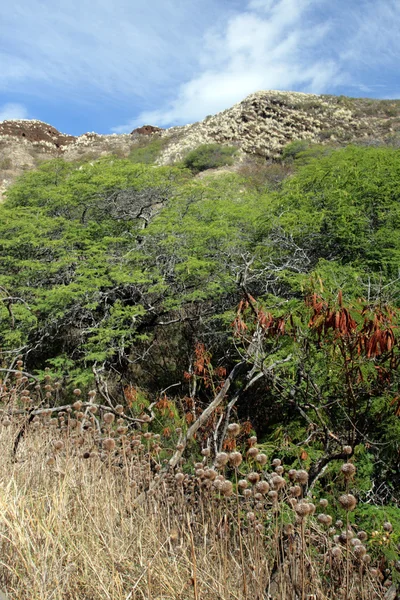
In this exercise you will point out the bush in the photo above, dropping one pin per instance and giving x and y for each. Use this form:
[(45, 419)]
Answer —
[(209, 156)]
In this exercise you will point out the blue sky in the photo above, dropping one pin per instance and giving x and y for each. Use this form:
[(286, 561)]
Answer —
[(112, 65)]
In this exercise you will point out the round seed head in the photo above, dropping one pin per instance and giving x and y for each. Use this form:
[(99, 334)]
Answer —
[(109, 418), (388, 527), (295, 491), (273, 495), (247, 493), (77, 405), (119, 409), (302, 509), (347, 450), (336, 552), (292, 473), (221, 459), (77, 392), (261, 459), (348, 502), (243, 484), (360, 551), (324, 519), (362, 536), (323, 502), (211, 474), (278, 482), (206, 452), (252, 440), (276, 462), (235, 459), (109, 444), (348, 469), (252, 452), (234, 429), (301, 476), (279, 470), (58, 445), (251, 516), (179, 477), (262, 487), (226, 488), (253, 477)]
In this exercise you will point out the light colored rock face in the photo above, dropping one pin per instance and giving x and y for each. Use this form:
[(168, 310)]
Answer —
[(265, 122), (261, 125)]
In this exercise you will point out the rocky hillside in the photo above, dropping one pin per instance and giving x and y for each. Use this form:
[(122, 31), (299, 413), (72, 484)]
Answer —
[(261, 125)]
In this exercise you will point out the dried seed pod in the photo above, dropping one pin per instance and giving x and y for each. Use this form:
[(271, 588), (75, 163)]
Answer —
[(312, 508), (360, 551), (109, 418), (273, 495), (295, 491), (279, 470), (262, 487), (253, 477), (387, 526), (252, 440), (243, 484), (235, 459), (301, 476), (276, 462), (108, 444), (336, 552), (355, 541), (347, 450), (234, 429), (179, 477), (278, 482), (348, 469), (252, 452), (210, 474), (302, 509), (362, 535), (221, 460), (58, 445), (77, 392), (206, 452), (323, 502), (348, 502), (226, 488), (261, 459), (77, 405), (292, 473), (324, 519)]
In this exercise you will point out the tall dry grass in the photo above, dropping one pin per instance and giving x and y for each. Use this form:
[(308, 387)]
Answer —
[(227, 527)]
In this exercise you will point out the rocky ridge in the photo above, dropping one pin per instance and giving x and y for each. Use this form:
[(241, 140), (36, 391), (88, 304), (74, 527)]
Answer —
[(261, 125)]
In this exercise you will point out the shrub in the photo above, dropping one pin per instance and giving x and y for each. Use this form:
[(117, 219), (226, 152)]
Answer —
[(209, 156)]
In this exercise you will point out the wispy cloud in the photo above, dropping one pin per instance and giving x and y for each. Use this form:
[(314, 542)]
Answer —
[(13, 111), (268, 46), (99, 49)]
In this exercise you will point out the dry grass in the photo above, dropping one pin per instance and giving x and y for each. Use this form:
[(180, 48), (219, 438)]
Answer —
[(71, 526)]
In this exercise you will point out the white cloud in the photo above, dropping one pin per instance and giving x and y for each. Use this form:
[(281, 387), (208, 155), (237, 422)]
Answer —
[(373, 35), (13, 111), (268, 46), (93, 50)]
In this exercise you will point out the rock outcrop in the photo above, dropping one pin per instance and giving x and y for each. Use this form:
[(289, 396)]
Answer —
[(261, 125)]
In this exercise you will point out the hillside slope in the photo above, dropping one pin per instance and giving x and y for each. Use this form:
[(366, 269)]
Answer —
[(261, 125)]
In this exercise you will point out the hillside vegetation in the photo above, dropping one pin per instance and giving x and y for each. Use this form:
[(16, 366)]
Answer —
[(251, 312)]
